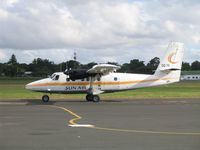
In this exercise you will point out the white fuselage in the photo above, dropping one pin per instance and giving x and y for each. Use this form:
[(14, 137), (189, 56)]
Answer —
[(103, 78), (106, 83)]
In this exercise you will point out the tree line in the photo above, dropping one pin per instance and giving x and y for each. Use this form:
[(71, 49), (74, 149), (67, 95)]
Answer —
[(44, 67)]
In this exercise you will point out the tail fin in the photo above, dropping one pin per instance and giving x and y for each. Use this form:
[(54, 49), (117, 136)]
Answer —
[(170, 65)]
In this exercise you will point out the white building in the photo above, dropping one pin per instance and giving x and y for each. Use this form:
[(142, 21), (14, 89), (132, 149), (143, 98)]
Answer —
[(28, 73), (190, 75)]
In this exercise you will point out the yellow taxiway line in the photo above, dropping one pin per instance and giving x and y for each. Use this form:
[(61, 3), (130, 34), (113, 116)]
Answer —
[(72, 123)]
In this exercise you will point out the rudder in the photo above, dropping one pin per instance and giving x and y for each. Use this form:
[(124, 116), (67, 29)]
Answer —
[(171, 64)]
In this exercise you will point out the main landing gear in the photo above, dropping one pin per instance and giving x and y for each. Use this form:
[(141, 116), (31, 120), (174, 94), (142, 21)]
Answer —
[(94, 98)]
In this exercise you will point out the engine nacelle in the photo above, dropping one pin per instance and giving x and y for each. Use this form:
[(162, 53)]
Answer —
[(76, 74)]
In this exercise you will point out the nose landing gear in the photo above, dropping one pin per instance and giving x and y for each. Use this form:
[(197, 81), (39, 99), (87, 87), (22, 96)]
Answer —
[(45, 98)]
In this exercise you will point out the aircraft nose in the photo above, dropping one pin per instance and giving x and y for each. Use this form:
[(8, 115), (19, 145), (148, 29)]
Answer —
[(36, 85), (29, 86)]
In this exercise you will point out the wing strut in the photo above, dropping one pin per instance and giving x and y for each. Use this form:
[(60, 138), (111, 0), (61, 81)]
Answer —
[(93, 90)]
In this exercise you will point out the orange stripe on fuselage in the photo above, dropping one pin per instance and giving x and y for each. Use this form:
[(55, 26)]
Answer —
[(97, 83)]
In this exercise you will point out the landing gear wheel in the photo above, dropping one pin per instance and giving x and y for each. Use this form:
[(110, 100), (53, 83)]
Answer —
[(45, 98), (89, 97), (96, 98)]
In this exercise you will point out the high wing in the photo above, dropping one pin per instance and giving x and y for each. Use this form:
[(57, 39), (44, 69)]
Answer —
[(103, 69)]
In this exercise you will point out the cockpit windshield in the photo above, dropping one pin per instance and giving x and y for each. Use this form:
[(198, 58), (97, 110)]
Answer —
[(53, 75)]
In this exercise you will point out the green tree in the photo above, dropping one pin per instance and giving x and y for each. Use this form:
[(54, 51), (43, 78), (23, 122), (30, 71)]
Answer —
[(152, 65), (12, 60), (1, 69), (195, 65), (42, 67), (62, 67), (186, 66), (91, 64), (72, 64), (125, 68), (11, 67), (87, 66), (113, 63), (136, 66)]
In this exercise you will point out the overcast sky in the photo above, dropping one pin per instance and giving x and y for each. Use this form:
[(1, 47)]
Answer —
[(97, 30)]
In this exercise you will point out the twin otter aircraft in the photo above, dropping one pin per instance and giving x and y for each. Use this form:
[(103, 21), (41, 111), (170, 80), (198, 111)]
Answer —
[(103, 78)]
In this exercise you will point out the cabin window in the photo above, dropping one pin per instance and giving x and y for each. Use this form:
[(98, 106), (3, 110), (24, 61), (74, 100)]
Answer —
[(68, 79), (82, 79), (57, 77), (115, 78), (98, 79)]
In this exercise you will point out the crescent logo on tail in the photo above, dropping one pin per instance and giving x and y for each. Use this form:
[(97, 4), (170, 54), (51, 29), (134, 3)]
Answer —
[(170, 58)]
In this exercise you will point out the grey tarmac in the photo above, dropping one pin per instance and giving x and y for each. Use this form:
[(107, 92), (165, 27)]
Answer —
[(113, 125)]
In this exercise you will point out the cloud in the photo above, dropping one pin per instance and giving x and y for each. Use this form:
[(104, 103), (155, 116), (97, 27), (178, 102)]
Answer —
[(2, 56), (97, 29)]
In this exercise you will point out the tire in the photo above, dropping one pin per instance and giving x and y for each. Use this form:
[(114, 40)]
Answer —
[(89, 97), (45, 98), (96, 98)]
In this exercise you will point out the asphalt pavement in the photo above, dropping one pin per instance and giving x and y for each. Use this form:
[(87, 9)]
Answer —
[(108, 125)]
